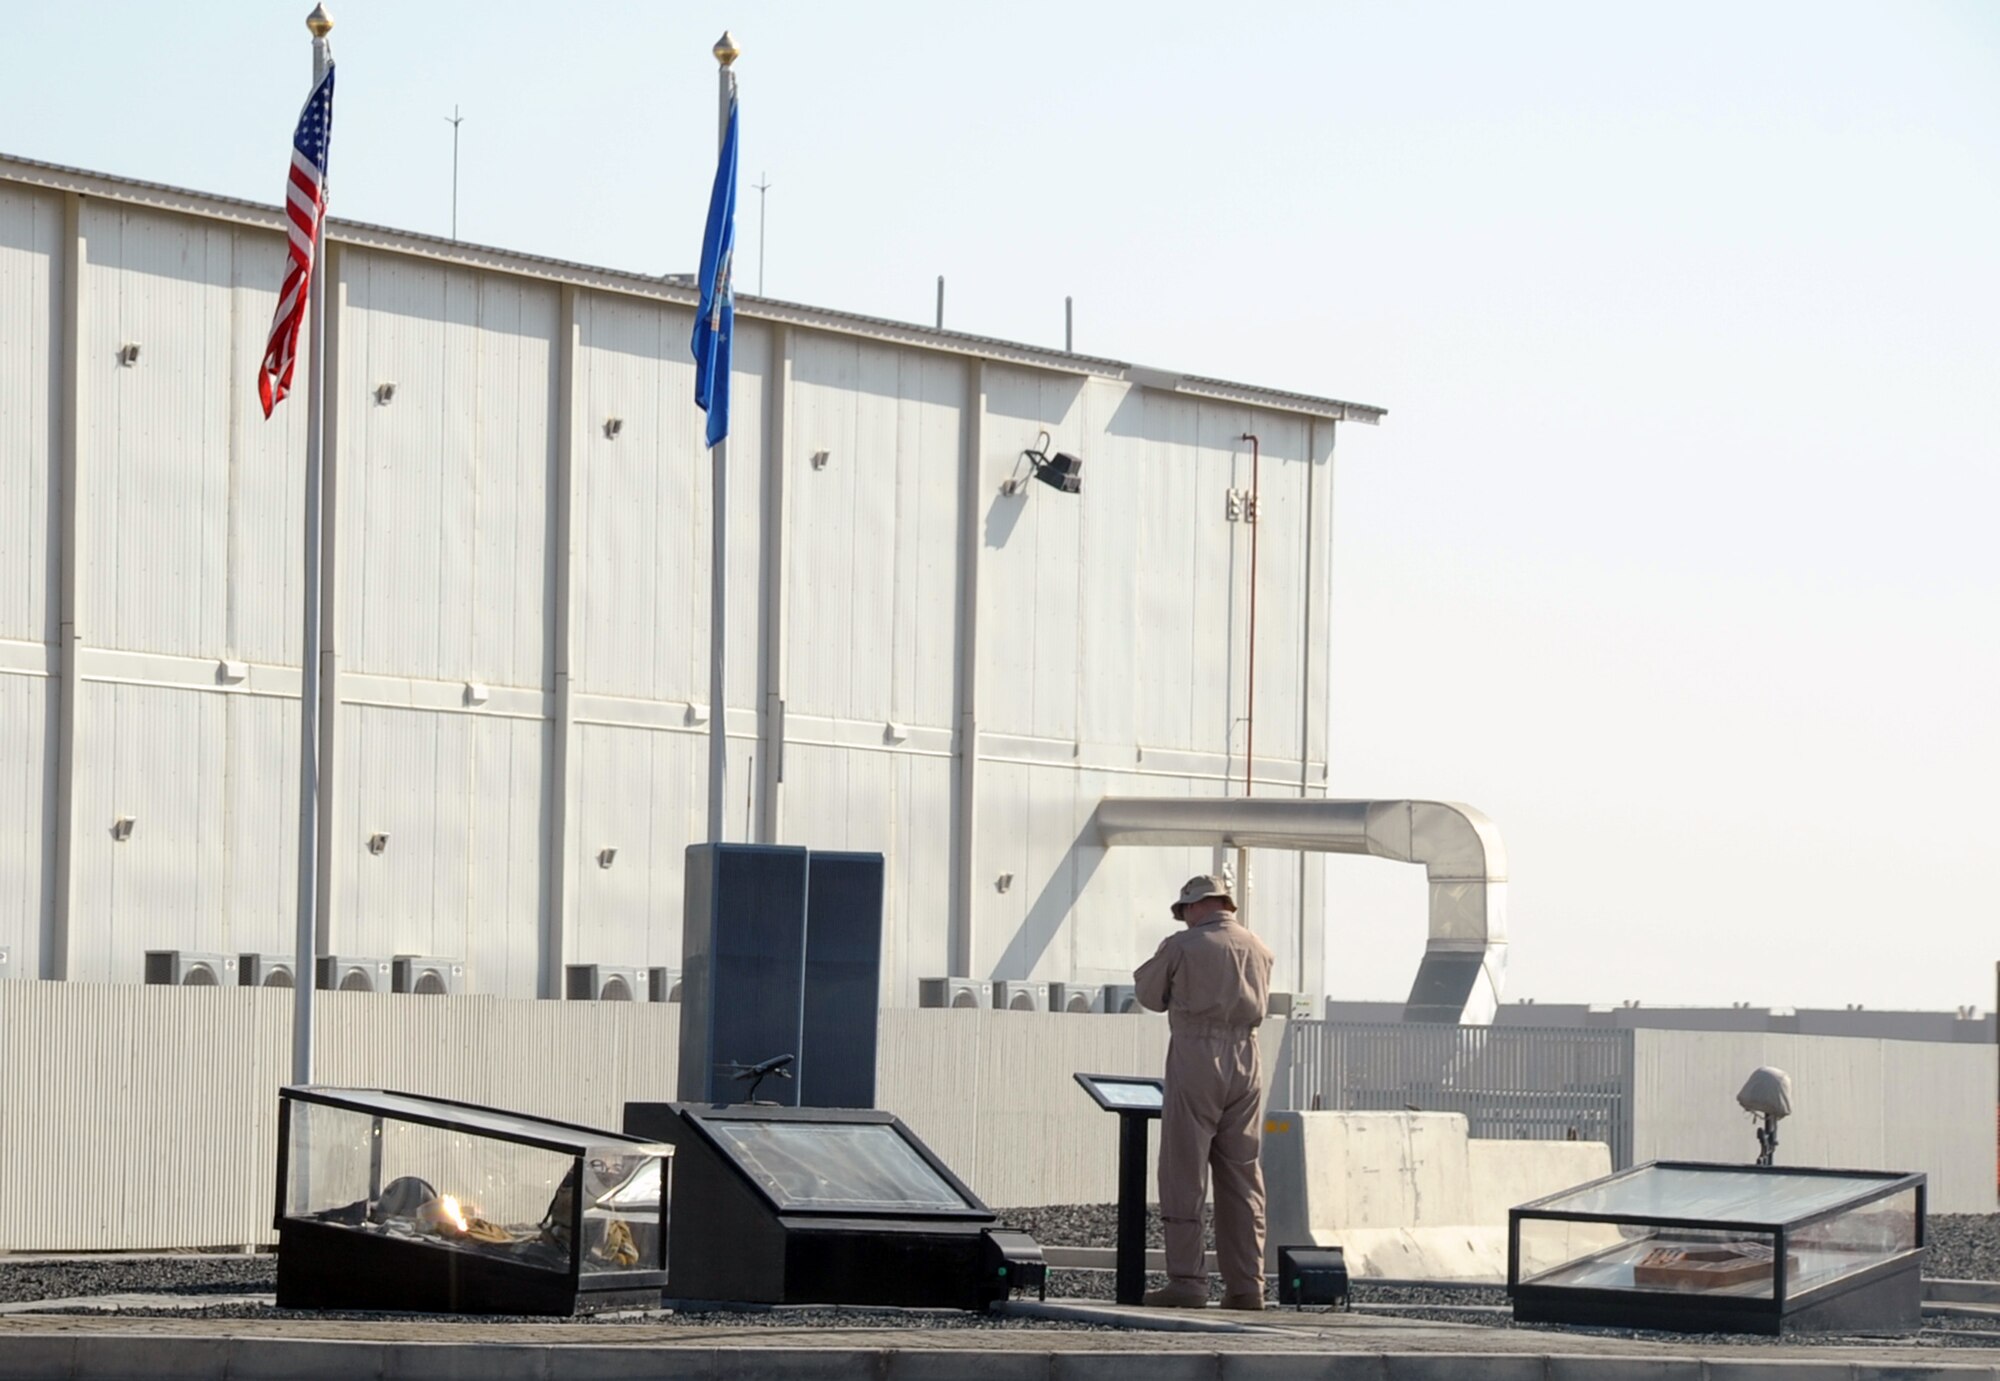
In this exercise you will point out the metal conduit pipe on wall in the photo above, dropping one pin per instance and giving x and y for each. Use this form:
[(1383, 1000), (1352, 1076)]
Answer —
[(1465, 961)]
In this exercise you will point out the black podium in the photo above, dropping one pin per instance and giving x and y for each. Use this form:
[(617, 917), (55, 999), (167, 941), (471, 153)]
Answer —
[(1137, 1099)]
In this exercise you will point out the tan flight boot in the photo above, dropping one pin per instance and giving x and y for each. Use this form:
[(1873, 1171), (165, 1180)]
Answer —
[(1178, 1294)]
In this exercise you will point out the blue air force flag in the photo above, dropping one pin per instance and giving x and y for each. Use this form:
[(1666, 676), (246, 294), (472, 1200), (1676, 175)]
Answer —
[(716, 322)]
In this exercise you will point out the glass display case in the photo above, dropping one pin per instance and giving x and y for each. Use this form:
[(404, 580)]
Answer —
[(1723, 1248), (826, 1206), (398, 1201)]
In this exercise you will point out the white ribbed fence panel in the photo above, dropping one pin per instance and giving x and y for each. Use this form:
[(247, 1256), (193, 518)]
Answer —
[(1856, 1104), (185, 1080), (31, 229), (991, 1093)]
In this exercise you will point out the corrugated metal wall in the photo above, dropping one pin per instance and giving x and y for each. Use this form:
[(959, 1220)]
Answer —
[(1113, 657), (1857, 1104)]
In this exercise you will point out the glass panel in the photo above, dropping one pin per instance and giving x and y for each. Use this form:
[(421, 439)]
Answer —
[(489, 1120), (1622, 1256), (855, 1167), (1741, 1195), (1853, 1241), (1120, 1094), (621, 1215), (443, 1187)]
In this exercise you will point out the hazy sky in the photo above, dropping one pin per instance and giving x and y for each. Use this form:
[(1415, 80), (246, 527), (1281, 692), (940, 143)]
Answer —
[(1677, 552)]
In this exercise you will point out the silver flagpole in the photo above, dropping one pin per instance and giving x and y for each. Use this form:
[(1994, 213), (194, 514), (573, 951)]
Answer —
[(307, 940), (726, 53)]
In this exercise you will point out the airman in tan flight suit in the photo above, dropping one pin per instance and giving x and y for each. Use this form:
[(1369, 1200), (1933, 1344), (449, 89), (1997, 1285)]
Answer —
[(1212, 980)]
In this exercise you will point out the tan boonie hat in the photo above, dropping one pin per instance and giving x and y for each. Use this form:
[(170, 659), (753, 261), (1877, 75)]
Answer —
[(1203, 887)]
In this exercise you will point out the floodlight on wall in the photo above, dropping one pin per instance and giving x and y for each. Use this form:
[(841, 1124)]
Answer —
[(384, 394), (613, 426), (1062, 472), (230, 672), (607, 855), (377, 842), (128, 354), (476, 693), (820, 458), (121, 828), (696, 714), (1003, 882)]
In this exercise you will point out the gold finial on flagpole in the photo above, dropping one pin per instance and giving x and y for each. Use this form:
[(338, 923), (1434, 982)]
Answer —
[(320, 22), (726, 50)]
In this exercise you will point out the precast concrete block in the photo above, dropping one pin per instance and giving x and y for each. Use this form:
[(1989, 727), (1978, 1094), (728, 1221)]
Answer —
[(107, 1357), (301, 1359), (1776, 1369), (1123, 1366), (929, 1364), (800, 1364), (460, 1361), (1586, 1368), (1462, 1366), (625, 1362), (34, 1356), (1300, 1366)]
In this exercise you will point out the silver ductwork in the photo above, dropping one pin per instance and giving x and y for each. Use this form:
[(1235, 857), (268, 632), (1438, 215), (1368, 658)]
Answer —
[(1465, 961)]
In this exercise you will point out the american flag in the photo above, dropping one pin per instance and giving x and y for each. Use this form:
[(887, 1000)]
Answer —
[(305, 204)]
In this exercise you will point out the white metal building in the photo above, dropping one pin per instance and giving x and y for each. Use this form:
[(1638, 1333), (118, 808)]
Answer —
[(517, 611)]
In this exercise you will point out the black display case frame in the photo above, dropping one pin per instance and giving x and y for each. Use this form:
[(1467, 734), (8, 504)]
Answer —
[(733, 1239), (325, 1264), (1884, 1297)]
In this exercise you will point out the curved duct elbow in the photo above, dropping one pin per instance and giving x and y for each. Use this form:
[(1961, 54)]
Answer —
[(1465, 863)]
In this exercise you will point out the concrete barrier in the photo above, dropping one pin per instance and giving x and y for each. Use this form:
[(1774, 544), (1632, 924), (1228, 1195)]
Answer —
[(1410, 1194)]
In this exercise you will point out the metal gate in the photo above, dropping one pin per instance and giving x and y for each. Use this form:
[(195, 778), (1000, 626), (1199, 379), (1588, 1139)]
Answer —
[(1515, 1083)]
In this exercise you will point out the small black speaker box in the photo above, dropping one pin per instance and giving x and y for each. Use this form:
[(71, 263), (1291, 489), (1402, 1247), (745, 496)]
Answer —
[(1312, 1275)]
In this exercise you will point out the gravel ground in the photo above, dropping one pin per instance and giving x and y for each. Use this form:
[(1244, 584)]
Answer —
[(1961, 1247)]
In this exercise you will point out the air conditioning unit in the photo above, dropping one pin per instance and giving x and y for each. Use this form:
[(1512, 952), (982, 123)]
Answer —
[(348, 974), (426, 974), (264, 970), (1121, 997), (1074, 997), (952, 992), (1010, 995), (605, 983), (664, 984), (185, 968), (1297, 1006)]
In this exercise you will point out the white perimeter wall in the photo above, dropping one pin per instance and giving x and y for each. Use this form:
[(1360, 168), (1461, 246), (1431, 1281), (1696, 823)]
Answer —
[(1856, 1104), (183, 1082), (490, 530)]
